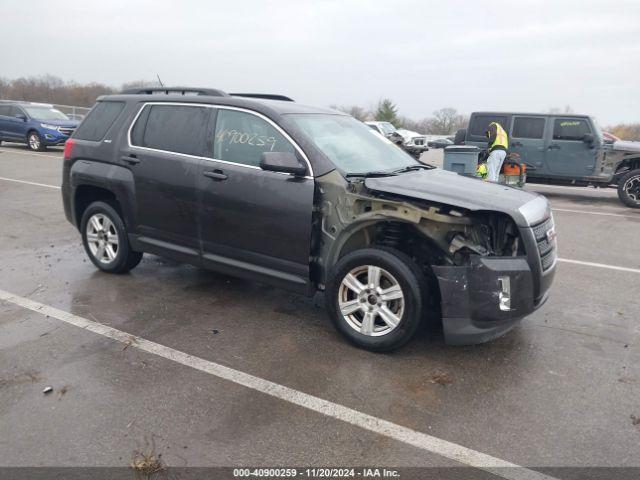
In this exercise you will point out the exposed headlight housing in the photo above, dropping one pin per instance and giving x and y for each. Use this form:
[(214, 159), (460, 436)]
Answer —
[(50, 127)]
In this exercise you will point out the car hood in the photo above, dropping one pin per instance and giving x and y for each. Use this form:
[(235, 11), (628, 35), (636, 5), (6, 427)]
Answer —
[(61, 123), (626, 146), (448, 188)]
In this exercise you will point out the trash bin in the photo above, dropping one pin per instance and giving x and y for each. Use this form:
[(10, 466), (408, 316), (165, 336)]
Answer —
[(461, 159)]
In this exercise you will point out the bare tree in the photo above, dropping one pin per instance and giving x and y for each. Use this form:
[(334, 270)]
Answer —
[(50, 89), (359, 113), (140, 84), (625, 131), (557, 110), (445, 121)]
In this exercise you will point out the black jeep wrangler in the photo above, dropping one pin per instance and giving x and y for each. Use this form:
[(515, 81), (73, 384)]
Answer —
[(261, 187)]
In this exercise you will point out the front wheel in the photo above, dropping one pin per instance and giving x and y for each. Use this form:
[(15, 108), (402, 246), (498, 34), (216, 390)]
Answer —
[(34, 142), (629, 189), (105, 239), (376, 298)]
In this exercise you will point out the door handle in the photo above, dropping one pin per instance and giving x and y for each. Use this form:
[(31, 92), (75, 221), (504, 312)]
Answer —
[(516, 144), (553, 147), (215, 175), (131, 159)]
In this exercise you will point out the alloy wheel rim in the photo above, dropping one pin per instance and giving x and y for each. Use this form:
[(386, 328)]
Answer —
[(371, 301), (102, 238), (632, 188), (34, 141)]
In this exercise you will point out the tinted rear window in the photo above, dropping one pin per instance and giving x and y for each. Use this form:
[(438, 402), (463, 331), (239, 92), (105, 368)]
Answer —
[(173, 128), (528, 127), (480, 123), (97, 123), (5, 110)]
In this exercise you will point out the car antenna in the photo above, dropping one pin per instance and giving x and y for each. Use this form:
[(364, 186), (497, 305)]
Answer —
[(159, 81)]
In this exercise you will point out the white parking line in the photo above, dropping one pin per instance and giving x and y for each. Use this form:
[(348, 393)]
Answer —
[(373, 424), (28, 183), (600, 265), (595, 213), (7, 150)]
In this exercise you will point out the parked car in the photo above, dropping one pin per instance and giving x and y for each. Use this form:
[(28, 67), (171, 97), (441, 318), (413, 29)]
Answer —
[(564, 149), (412, 142), (35, 124), (440, 143), (308, 199)]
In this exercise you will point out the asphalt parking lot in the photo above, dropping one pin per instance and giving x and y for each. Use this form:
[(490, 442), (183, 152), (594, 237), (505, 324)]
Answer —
[(560, 390)]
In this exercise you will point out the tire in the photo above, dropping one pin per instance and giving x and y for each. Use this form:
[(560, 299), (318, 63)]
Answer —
[(629, 189), (100, 226), (34, 142), (396, 270)]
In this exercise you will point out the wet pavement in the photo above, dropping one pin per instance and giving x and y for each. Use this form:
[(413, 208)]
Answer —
[(559, 390)]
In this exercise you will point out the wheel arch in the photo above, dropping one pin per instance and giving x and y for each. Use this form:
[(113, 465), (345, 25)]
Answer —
[(87, 194), (93, 181), (626, 165), (365, 234)]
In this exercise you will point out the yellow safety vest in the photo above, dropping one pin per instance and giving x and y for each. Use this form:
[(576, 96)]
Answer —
[(501, 137)]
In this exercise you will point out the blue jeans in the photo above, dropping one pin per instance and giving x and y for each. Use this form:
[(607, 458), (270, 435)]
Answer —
[(494, 164)]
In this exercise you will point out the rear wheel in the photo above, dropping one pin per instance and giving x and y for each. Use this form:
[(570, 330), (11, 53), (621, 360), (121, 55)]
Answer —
[(629, 189), (104, 236), (376, 298), (34, 142)]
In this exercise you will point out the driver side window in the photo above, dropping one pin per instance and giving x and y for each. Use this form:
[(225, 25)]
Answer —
[(570, 129)]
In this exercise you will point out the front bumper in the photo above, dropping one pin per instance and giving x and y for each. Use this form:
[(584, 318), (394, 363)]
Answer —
[(53, 137), (485, 299), (416, 148)]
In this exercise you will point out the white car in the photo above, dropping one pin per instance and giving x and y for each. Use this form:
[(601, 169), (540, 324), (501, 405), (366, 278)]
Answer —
[(413, 142)]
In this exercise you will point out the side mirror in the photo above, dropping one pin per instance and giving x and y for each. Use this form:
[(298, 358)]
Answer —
[(284, 162), (588, 138), (21, 116)]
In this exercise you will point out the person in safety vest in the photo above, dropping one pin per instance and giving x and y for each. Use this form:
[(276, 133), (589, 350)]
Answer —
[(497, 148)]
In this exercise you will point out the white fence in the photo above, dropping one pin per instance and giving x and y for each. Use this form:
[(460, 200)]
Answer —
[(73, 112)]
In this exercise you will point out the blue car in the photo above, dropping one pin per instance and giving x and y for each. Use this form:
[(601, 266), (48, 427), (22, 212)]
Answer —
[(36, 124)]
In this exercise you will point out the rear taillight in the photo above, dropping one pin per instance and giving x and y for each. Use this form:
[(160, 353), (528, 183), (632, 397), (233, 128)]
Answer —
[(68, 149)]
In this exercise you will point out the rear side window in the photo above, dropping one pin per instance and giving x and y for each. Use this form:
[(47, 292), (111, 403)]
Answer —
[(4, 110), (173, 128), (242, 137), (99, 120), (570, 129), (481, 122), (528, 127)]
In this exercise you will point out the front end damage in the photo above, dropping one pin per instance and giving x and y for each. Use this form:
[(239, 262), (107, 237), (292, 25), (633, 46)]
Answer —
[(485, 271)]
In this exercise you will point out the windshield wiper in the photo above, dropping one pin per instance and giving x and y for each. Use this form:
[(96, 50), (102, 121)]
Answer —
[(379, 173), (412, 168)]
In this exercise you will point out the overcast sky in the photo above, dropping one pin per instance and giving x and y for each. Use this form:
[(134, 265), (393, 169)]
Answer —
[(522, 56)]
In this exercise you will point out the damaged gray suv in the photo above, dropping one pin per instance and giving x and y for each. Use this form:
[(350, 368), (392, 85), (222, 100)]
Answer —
[(309, 199)]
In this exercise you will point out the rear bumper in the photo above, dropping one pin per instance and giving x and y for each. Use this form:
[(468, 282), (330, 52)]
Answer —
[(486, 299)]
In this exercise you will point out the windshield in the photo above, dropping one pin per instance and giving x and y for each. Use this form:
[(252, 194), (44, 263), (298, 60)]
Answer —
[(45, 113), (387, 127), (351, 145), (598, 130)]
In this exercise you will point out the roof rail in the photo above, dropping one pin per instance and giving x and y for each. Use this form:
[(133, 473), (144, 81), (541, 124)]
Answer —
[(213, 92), (265, 96)]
